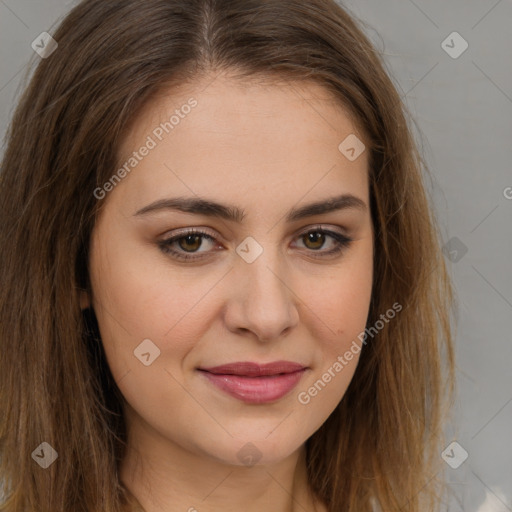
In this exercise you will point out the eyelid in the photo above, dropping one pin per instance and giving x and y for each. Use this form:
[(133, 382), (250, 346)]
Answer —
[(180, 232), (201, 230), (326, 228)]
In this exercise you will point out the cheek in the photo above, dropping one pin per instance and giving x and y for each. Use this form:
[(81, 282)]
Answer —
[(136, 300), (340, 311), (342, 301), (135, 303)]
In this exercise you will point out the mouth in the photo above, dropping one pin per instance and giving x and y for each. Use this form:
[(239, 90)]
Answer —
[(255, 383)]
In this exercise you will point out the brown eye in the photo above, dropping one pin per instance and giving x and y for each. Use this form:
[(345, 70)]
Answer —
[(190, 242), (315, 238), (187, 245)]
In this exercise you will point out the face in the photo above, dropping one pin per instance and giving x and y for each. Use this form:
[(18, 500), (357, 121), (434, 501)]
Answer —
[(229, 306)]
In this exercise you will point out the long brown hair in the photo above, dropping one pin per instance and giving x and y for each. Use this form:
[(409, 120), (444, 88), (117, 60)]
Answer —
[(382, 443)]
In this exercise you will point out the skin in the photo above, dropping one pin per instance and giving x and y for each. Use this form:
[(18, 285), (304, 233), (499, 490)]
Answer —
[(265, 148)]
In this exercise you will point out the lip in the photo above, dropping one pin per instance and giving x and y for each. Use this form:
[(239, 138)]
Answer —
[(255, 383)]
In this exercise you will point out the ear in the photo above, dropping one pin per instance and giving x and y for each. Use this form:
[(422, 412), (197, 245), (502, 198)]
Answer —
[(85, 301)]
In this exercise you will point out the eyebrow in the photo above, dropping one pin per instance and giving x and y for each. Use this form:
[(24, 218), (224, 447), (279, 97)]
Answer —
[(201, 206)]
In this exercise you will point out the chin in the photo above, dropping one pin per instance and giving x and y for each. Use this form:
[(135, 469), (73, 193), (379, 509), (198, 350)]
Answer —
[(246, 452)]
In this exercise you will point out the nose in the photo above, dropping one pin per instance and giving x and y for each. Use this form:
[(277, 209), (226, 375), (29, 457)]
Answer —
[(263, 302)]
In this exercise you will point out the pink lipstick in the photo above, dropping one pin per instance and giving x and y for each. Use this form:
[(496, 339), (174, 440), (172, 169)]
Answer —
[(255, 383)]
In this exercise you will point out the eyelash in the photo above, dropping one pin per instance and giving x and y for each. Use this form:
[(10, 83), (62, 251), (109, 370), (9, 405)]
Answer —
[(343, 242)]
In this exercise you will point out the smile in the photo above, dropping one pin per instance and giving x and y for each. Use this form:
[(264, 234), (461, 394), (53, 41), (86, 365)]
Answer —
[(254, 383)]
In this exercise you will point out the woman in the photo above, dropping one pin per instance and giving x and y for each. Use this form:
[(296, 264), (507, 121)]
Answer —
[(221, 279)]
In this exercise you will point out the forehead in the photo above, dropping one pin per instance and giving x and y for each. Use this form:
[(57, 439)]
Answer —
[(242, 136), (223, 99)]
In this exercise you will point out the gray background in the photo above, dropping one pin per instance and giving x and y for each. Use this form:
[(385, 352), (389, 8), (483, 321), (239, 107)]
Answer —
[(462, 108)]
